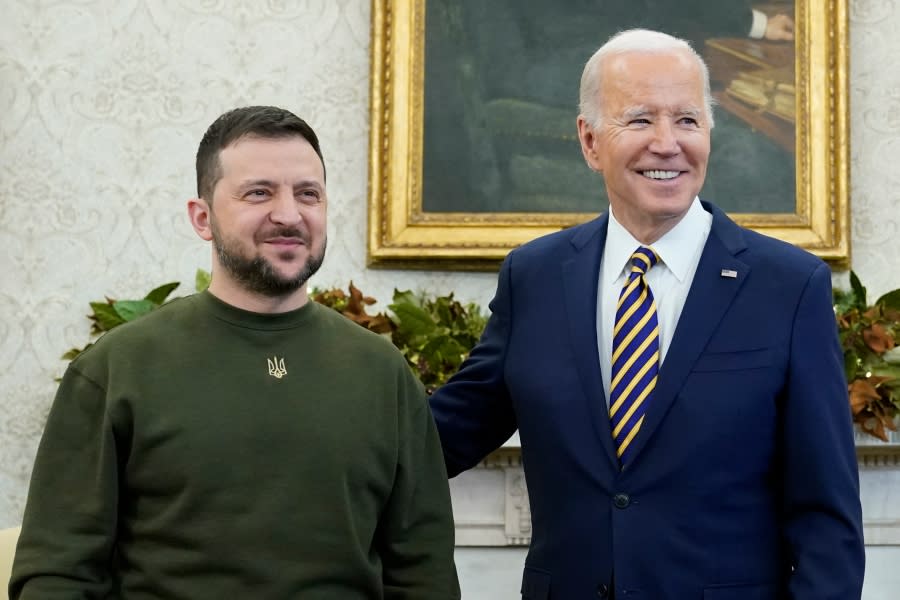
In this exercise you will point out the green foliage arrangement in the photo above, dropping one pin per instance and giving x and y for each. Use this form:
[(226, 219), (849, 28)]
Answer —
[(111, 312), (434, 334), (869, 336)]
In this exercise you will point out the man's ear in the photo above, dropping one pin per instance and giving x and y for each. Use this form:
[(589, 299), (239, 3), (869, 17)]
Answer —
[(200, 213), (587, 135)]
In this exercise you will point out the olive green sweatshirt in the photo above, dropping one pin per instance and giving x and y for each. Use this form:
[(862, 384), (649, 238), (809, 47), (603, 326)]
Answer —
[(203, 451)]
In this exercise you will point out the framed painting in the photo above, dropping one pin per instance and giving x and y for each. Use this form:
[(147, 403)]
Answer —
[(473, 144)]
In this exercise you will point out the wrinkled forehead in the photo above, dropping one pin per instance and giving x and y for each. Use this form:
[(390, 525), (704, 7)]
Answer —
[(638, 64), (650, 78)]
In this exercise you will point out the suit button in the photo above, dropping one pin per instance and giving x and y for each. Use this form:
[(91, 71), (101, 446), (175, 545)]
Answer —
[(602, 591), (621, 500)]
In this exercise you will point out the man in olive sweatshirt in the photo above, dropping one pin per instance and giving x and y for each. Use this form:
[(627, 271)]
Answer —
[(242, 442)]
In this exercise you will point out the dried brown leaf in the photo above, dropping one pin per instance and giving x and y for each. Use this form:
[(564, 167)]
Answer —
[(877, 429), (862, 394), (878, 339), (872, 313)]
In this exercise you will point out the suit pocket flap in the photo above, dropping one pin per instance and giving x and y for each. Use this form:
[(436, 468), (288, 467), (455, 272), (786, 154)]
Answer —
[(732, 361), (535, 584), (741, 592)]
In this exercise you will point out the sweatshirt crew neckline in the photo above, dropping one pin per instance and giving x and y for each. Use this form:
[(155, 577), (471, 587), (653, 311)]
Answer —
[(254, 320)]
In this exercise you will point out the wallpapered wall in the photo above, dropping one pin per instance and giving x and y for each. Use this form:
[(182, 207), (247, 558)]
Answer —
[(102, 104)]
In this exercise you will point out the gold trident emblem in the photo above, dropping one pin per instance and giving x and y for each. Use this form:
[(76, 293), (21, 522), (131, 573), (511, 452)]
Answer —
[(276, 367)]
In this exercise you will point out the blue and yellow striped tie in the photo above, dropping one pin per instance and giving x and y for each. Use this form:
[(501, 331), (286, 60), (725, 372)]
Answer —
[(635, 353)]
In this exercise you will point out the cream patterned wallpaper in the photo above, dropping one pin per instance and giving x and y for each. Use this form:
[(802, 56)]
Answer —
[(103, 102)]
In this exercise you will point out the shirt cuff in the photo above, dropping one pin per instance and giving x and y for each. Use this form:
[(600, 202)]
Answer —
[(758, 28)]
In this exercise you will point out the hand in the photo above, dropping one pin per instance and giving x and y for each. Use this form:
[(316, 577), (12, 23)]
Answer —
[(780, 28)]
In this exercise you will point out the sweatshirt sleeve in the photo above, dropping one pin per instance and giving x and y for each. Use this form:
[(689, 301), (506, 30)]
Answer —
[(64, 550), (416, 534)]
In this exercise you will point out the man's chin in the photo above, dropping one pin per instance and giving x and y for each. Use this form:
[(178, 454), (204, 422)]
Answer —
[(287, 274), (671, 204), (289, 277)]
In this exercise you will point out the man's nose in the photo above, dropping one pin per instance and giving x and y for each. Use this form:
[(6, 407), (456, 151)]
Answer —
[(665, 141), (285, 208)]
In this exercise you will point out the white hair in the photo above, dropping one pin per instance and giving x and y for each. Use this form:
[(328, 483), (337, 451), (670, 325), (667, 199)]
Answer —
[(639, 41)]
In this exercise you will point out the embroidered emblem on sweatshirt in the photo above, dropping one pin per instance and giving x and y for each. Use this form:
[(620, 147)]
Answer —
[(276, 367)]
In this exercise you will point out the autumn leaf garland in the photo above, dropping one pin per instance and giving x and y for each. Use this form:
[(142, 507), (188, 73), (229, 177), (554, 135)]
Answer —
[(435, 335), (868, 336)]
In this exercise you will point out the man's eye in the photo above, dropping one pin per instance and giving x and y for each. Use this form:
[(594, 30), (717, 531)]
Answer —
[(688, 121), (639, 122), (257, 193)]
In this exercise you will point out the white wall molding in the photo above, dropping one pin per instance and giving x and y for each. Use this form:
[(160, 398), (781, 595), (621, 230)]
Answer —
[(879, 489), (491, 507)]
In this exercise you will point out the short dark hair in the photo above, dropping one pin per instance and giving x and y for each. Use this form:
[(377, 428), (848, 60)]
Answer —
[(268, 122)]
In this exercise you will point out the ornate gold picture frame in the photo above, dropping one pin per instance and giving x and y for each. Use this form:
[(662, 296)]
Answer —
[(404, 233)]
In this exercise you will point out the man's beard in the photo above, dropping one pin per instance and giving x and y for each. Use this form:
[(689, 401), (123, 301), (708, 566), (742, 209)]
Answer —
[(257, 274)]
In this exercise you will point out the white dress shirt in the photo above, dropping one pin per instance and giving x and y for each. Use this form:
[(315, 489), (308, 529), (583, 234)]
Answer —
[(670, 279)]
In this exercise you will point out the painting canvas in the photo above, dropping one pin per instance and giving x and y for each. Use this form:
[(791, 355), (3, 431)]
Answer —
[(474, 146)]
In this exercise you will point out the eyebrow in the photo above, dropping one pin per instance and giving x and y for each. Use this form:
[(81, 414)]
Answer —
[(636, 112), (305, 183), (690, 112)]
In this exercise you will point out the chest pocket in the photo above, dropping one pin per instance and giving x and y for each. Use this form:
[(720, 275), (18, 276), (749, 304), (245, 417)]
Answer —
[(757, 358)]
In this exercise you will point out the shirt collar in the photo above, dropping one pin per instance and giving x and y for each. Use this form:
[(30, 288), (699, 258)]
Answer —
[(676, 249)]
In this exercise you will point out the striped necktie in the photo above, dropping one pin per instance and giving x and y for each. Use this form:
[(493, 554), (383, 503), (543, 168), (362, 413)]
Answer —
[(635, 353)]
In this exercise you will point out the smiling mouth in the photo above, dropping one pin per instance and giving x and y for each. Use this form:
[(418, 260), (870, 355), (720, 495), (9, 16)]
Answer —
[(285, 241), (659, 175)]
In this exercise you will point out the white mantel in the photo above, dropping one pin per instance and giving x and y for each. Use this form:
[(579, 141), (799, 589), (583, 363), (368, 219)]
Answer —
[(493, 526), (490, 502), (879, 483)]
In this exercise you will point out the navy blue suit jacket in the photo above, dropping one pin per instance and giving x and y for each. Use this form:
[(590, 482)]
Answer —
[(744, 481)]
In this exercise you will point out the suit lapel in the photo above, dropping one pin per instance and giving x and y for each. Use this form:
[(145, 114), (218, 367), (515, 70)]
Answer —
[(708, 300), (580, 278)]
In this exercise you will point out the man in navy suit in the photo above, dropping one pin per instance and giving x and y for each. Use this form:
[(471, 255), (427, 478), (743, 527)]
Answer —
[(676, 380)]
